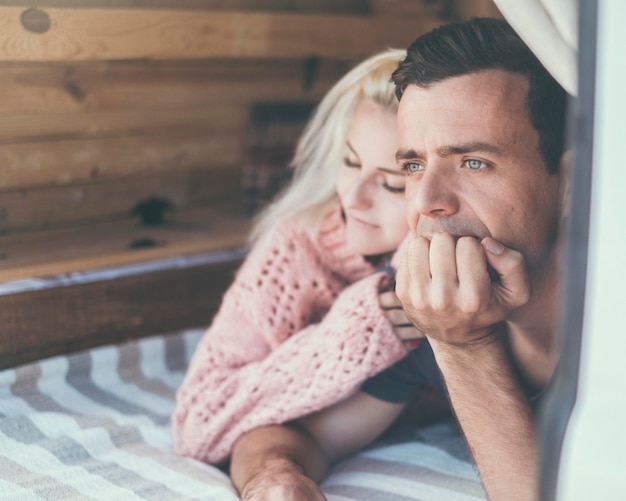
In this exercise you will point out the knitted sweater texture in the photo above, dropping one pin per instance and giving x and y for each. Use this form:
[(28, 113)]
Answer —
[(299, 329)]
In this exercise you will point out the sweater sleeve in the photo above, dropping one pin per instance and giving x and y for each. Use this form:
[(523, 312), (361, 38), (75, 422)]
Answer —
[(258, 366)]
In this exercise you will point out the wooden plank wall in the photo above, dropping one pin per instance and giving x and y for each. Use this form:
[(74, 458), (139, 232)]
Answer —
[(113, 101), (150, 104), (83, 142)]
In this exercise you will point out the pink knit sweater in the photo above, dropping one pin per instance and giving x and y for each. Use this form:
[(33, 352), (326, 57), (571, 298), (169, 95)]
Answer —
[(299, 330)]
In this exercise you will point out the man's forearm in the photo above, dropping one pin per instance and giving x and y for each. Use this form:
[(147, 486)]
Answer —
[(276, 448), (495, 417)]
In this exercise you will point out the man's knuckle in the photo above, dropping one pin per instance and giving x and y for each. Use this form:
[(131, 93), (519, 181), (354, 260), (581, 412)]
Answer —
[(402, 288), (441, 302), (516, 260), (467, 242), (470, 305)]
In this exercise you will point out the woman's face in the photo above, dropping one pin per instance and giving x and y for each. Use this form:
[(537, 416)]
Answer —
[(370, 185)]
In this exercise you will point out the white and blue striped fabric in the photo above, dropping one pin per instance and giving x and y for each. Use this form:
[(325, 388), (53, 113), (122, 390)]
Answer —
[(95, 425)]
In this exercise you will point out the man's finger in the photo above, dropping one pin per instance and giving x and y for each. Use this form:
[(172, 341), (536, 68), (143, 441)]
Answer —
[(443, 257), (514, 288), (474, 284), (413, 275), (443, 270)]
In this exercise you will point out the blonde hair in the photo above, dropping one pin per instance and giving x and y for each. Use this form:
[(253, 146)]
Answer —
[(319, 151)]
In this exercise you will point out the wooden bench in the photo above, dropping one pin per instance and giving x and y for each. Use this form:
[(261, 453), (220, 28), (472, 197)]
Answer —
[(68, 289)]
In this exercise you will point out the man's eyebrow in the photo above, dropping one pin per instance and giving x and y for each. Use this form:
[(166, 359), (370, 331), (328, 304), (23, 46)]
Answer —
[(403, 154), (444, 151), (475, 146)]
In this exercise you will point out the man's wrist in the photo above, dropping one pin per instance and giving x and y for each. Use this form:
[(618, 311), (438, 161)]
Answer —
[(456, 360), (475, 341)]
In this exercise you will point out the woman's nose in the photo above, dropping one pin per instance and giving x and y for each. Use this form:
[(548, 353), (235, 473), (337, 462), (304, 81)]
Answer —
[(359, 194)]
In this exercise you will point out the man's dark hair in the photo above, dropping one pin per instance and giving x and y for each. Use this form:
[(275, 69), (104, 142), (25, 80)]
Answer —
[(465, 47)]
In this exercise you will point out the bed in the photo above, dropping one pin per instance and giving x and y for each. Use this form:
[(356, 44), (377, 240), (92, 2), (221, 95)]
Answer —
[(96, 425)]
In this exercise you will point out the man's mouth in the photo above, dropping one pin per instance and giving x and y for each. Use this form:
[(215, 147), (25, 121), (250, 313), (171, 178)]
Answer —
[(457, 229)]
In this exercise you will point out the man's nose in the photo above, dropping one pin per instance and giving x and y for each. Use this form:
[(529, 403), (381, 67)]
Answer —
[(435, 195)]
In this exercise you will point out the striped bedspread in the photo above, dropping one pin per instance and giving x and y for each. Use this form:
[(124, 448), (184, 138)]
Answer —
[(95, 425)]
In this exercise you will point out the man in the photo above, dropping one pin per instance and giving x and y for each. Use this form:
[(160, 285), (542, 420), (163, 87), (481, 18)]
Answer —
[(481, 137), (481, 133)]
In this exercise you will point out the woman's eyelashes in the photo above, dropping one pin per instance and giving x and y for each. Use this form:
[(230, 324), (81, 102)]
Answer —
[(389, 186), (349, 162), (393, 189)]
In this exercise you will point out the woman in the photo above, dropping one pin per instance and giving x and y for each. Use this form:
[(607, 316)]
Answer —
[(310, 316)]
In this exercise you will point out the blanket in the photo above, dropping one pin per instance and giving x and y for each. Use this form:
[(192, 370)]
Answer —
[(95, 425)]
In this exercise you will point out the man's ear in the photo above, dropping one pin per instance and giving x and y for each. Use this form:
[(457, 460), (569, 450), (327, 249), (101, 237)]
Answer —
[(565, 175)]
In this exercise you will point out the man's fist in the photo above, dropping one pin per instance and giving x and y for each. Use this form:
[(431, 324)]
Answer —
[(447, 291)]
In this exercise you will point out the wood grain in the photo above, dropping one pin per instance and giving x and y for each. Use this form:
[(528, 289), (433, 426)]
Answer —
[(40, 208), (70, 162), (62, 320), (102, 245), (462, 9), (343, 6), (120, 34), (50, 127), (55, 88)]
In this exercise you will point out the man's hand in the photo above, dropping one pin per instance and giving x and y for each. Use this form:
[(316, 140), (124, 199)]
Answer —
[(281, 480), (447, 292)]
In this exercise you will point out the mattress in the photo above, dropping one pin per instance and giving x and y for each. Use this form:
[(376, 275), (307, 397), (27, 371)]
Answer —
[(96, 425)]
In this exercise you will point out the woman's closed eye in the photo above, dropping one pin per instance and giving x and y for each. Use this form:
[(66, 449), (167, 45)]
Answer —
[(353, 163), (394, 188)]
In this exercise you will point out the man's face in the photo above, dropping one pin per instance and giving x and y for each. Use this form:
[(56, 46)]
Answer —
[(474, 165)]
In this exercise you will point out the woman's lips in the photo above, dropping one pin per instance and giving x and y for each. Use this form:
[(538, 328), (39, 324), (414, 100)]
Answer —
[(360, 222)]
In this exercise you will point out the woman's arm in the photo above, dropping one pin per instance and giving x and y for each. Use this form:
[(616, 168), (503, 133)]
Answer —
[(315, 368), (349, 426), (277, 462), (262, 362)]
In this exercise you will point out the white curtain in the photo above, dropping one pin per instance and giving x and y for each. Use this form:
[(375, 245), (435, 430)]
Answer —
[(549, 28)]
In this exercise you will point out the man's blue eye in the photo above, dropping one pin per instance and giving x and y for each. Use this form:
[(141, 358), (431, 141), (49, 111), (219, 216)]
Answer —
[(474, 164), (412, 167)]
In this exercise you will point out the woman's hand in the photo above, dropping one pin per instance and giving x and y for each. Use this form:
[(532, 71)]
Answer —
[(410, 336), (281, 480), (278, 463)]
